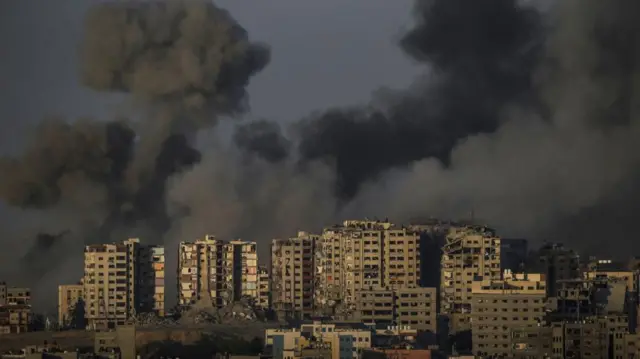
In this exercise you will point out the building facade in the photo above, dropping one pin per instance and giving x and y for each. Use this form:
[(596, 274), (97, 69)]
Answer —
[(293, 274), (216, 270), (121, 280), (409, 307), (69, 297), (264, 288), (501, 306), (361, 256), (471, 252)]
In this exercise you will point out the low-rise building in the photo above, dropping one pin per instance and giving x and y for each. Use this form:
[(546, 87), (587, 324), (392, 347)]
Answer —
[(15, 318)]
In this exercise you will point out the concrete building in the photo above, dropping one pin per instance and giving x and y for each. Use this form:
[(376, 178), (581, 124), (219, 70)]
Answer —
[(264, 288), (501, 306), (471, 252), (409, 307), (201, 272), (557, 263), (222, 271), (364, 255), (241, 272), (292, 275), (120, 280), (68, 297), (531, 342), (15, 309), (324, 340)]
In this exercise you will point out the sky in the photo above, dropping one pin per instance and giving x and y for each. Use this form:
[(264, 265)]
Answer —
[(38, 66)]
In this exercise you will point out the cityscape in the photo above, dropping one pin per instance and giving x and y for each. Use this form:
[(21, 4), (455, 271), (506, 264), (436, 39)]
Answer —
[(366, 287), (286, 179)]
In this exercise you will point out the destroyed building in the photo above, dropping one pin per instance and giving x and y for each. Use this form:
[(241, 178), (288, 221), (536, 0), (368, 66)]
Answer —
[(225, 271)]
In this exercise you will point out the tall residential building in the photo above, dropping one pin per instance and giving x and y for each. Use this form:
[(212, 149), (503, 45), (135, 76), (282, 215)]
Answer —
[(471, 253), (502, 306), (292, 275), (201, 270), (222, 271), (121, 280), (264, 288), (69, 296), (361, 256), (241, 272)]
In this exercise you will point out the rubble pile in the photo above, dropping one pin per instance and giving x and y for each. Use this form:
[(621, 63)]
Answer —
[(152, 320)]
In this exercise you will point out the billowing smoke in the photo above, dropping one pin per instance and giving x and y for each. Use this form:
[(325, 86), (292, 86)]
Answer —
[(184, 63), (527, 118)]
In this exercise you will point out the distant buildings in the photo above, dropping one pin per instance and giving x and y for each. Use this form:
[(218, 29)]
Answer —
[(121, 280), (15, 309)]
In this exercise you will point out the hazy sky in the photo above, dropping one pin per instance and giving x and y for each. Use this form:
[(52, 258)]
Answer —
[(325, 53)]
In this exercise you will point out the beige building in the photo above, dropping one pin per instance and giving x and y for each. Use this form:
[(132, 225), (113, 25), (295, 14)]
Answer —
[(15, 309), (121, 280), (364, 255), (410, 307), (293, 274), (222, 271), (264, 288), (68, 297), (316, 340), (241, 260), (501, 306), (470, 252)]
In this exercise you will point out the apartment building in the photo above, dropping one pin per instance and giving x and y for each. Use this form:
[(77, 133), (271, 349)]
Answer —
[(364, 255), (318, 340), (241, 269), (409, 307), (217, 270), (502, 306), (201, 272), (470, 253), (120, 280), (292, 275), (558, 263), (15, 309), (69, 295), (264, 288)]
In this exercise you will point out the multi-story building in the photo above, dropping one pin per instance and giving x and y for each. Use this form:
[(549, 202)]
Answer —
[(471, 253), (293, 274), (201, 272), (264, 288), (364, 255), (216, 270), (501, 306), (408, 307), (557, 263), (241, 272), (318, 340), (69, 297), (121, 280), (15, 309)]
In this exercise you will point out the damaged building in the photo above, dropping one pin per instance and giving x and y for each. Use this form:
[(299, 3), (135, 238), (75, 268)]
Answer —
[(362, 256), (293, 275), (225, 271)]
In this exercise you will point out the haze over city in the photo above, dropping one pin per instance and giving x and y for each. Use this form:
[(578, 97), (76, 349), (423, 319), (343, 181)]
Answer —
[(256, 121)]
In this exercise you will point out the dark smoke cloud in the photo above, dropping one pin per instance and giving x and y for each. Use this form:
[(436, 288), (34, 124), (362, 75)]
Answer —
[(527, 118), (263, 139), (185, 63), (186, 53), (481, 54)]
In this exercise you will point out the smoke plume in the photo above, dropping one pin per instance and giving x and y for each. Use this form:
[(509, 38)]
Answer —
[(183, 63)]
